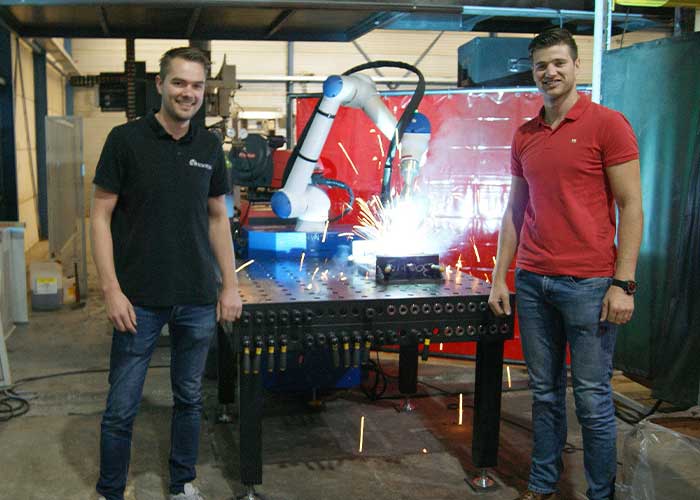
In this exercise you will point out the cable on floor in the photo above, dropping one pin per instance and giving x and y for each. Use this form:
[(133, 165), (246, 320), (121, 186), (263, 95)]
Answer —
[(12, 405), (15, 403)]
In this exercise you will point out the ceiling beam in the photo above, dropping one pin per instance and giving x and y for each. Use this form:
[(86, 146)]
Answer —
[(279, 21), (102, 14), (192, 24), (377, 20)]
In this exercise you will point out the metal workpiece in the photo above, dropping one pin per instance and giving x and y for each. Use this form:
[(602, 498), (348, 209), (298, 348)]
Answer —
[(297, 311)]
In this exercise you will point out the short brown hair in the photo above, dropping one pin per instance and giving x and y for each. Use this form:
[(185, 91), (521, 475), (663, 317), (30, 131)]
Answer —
[(188, 54), (551, 37)]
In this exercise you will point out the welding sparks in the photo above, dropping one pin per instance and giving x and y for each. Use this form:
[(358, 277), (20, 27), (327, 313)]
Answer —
[(381, 146), (301, 261), (494, 261), (459, 422), (325, 231), (508, 376), (441, 346), (243, 266), (476, 252), (314, 274), (362, 432), (348, 157), (459, 262)]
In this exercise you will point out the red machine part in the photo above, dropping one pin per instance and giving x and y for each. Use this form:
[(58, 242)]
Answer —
[(280, 157), (467, 170)]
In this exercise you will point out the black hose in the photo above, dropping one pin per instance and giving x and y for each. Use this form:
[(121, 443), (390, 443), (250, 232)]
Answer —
[(335, 183), (403, 121)]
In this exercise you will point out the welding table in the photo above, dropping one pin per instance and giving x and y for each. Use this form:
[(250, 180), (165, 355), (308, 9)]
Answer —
[(291, 308)]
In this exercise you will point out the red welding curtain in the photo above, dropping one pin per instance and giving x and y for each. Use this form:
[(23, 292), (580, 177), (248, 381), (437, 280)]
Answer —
[(467, 170)]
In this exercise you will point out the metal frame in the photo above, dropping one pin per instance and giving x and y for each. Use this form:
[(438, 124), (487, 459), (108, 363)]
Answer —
[(8, 161), (40, 111), (439, 15), (276, 313)]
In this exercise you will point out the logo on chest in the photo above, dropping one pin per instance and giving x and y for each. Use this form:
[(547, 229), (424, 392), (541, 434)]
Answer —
[(195, 163)]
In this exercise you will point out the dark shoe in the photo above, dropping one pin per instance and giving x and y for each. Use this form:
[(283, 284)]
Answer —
[(531, 495)]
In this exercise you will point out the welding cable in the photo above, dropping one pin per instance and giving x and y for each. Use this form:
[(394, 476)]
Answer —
[(12, 405), (624, 414), (373, 393), (15, 404), (318, 179), (403, 122), (74, 372)]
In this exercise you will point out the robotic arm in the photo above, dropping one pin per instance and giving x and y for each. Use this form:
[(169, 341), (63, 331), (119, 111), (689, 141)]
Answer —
[(309, 204)]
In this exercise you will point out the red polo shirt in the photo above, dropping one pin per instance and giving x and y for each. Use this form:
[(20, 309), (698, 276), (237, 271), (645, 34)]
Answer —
[(569, 224)]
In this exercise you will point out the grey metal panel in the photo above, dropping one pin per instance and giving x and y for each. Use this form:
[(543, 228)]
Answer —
[(66, 195)]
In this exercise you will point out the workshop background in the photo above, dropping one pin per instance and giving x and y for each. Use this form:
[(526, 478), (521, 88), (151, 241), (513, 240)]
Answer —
[(50, 448)]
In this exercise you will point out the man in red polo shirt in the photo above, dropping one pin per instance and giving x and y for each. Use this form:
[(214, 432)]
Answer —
[(571, 166)]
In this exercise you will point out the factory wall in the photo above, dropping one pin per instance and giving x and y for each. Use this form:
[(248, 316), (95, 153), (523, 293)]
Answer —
[(256, 58), (25, 131)]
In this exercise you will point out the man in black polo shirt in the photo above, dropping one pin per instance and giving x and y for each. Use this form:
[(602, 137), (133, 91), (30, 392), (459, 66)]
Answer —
[(158, 221)]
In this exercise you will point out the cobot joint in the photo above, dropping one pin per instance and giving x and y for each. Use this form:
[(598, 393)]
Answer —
[(299, 197)]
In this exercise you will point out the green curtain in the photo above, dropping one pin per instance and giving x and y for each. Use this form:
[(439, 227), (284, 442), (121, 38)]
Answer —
[(657, 86)]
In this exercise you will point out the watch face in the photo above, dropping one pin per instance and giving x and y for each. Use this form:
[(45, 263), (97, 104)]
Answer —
[(631, 287)]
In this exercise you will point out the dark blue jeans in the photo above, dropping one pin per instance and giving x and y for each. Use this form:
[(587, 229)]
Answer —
[(552, 311), (191, 329)]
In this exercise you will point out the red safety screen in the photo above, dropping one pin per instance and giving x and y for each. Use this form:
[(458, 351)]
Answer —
[(467, 172)]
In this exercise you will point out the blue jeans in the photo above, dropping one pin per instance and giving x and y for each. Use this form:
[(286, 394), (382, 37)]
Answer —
[(554, 310), (191, 330)]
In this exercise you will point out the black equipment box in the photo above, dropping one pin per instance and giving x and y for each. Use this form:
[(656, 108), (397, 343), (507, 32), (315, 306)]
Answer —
[(494, 62)]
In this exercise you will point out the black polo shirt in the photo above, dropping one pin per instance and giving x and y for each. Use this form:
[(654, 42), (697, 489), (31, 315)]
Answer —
[(160, 225)]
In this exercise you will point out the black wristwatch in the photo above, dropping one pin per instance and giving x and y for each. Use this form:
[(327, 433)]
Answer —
[(629, 286)]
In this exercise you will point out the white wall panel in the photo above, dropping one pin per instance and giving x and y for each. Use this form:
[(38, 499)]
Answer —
[(26, 175), (55, 92), (25, 138)]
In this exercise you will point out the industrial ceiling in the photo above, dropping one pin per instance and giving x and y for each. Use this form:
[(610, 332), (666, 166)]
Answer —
[(311, 20)]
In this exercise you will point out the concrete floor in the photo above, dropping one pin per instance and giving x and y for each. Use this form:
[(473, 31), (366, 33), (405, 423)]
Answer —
[(52, 451)]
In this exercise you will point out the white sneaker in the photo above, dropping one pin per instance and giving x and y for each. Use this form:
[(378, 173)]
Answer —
[(190, 493)]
